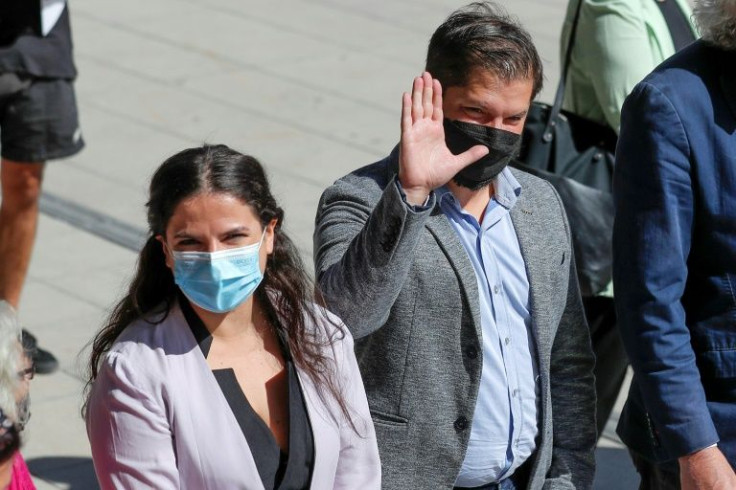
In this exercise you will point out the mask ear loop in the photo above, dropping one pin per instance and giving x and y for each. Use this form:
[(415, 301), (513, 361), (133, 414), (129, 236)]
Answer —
[(260, 242), (168, 249), (269, 257)]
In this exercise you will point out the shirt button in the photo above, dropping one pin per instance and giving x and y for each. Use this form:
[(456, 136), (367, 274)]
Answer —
[(516, 393), (496, 289), (471, 352), (461, 423), (507, 341)]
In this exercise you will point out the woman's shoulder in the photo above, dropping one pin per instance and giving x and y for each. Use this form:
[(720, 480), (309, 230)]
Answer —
[(149, 336), (139, 358)]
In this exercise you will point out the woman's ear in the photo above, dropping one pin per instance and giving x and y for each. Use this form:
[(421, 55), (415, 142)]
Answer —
[(270, 235), (167, 252)]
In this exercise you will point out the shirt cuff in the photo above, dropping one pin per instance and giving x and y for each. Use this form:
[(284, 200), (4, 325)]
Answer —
[(416, 209)]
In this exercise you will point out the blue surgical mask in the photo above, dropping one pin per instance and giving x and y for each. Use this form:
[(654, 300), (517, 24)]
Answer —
[(219, 281)]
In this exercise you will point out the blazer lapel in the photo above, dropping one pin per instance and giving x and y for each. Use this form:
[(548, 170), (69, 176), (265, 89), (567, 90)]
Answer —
[(448, 241), (222, 429), (326, 434), (531, 235)]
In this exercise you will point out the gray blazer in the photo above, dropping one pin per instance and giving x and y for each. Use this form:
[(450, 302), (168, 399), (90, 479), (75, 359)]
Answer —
[(158, 419), (403, 284)]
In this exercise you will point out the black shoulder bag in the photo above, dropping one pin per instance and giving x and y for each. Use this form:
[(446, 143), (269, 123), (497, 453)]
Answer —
[(576, 155)]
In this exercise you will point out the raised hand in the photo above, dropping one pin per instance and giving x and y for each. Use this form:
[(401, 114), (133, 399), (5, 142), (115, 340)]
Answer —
[(425, 162)]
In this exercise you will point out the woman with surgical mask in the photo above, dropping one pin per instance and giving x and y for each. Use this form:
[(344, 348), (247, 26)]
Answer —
[(219, 368)]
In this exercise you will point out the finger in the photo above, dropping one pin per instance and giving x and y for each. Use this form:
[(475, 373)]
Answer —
[(427, 94), (437, 113), (470, 156), (416, 99), (405, 113)]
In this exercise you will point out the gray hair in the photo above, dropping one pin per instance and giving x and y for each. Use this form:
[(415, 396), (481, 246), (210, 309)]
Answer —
[(716, 20), (10, 356)]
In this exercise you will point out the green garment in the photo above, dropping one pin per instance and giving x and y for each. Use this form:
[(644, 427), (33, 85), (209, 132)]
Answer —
[(618, 42)]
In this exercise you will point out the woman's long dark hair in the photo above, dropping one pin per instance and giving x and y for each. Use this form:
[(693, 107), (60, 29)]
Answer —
[(219, 169)]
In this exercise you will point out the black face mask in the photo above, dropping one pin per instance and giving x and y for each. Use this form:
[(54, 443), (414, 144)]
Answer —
[(503, 146)]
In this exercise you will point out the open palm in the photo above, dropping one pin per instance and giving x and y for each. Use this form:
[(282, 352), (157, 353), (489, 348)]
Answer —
[(425, 162)]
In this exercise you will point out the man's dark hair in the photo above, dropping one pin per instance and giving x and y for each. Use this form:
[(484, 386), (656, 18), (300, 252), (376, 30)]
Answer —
[(483, 35)]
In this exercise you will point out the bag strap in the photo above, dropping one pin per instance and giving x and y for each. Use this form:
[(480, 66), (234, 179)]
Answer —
[(560, 95)]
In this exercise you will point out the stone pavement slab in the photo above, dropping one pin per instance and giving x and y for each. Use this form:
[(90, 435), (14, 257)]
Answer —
[(74, 279), (310, 87)]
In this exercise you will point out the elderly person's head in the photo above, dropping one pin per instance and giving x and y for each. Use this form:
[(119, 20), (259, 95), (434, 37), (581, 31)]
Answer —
[(14, 366), (716, 20), (9, 445), (11, 361)]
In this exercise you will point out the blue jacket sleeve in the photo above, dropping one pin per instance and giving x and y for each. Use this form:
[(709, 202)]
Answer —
[(655, 209)]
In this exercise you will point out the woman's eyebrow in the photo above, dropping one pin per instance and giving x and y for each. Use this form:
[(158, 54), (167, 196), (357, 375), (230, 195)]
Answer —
[(237, 229)]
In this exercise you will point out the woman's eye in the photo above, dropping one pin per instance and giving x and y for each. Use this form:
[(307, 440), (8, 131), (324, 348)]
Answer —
[(186, 242)]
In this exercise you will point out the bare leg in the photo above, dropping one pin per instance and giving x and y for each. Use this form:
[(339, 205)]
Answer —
[(21, 190)]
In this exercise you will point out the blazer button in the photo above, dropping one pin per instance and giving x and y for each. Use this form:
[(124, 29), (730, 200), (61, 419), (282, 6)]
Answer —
[(461, 423), (387, 244), (471, 352)]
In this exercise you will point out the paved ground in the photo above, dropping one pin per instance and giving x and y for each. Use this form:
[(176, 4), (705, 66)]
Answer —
[(310, 87)]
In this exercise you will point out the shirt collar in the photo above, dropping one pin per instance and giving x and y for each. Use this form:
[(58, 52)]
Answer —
[(507, 190)]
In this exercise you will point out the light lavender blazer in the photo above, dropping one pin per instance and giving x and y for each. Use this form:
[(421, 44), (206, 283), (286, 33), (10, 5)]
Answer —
[(158, 419)]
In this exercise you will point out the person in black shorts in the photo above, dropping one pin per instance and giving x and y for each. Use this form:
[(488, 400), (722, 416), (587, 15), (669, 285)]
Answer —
[(38, 122)]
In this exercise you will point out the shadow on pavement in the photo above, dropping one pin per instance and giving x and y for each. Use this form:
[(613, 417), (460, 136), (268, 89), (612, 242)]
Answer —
[(74, 473), (614, 470)]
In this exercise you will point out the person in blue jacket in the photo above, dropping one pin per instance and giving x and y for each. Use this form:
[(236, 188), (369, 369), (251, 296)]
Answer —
[(674, 269), (616, 43)]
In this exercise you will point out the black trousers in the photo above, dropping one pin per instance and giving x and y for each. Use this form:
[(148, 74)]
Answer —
[(656, 476), (611, 360)]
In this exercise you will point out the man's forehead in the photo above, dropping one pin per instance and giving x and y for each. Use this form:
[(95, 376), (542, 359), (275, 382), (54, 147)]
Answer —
[(485, 82), (491, 79)]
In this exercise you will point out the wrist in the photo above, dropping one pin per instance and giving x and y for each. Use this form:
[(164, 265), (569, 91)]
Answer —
[(700, 454), (414, 195)]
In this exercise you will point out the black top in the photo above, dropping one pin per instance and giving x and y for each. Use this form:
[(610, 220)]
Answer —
[(677, 23), (277, 470), (24, 50)]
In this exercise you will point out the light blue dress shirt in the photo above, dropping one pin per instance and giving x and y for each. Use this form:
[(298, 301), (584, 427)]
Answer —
[(505, 419)]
